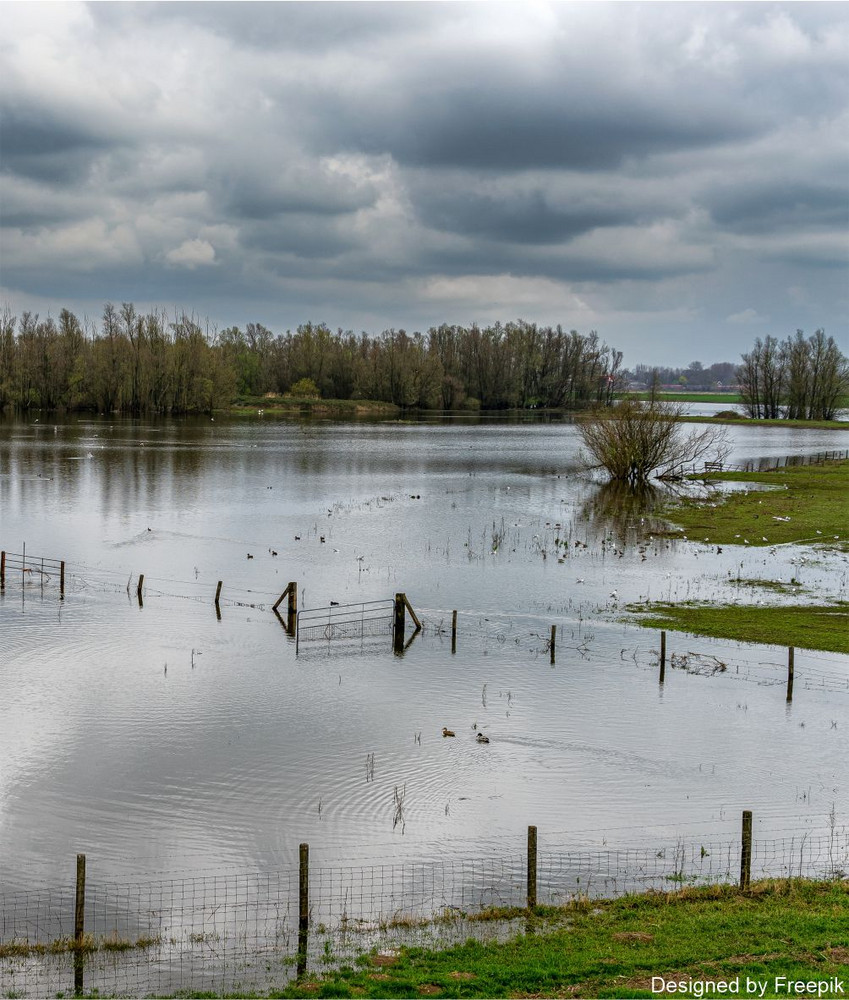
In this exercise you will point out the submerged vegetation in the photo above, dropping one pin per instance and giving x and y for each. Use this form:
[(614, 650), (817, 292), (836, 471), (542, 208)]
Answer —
[(634, 440), (792, 928)]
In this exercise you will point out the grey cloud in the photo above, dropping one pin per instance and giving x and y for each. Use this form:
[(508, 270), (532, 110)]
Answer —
[(300, 235), (779, 205), (301, 26), (519, 215), (256, 195), (482, 127)]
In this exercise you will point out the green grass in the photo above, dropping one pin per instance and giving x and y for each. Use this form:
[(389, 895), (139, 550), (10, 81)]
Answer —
[(613, 949), (823, 627), (812, 497), (292, 405), (685, 397), (740, 418)]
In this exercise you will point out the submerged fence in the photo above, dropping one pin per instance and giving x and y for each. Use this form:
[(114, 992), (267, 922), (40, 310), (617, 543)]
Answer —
[(248, 932)]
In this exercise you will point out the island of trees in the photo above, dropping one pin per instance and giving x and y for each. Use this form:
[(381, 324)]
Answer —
[(134, 362)]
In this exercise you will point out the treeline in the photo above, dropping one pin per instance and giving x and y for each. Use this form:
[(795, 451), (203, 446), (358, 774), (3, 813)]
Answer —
[(141, 363), (713, 378), (801, 378)]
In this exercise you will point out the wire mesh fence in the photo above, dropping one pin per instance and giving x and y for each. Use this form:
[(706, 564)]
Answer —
[(240, 932)]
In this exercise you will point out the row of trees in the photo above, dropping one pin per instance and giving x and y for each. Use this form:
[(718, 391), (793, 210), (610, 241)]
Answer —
[(143, 362), (801, 378), (696, 376), (135, 363)]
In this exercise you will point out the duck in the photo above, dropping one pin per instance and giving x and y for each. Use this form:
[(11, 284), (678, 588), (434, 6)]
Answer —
[(447, 732), (250, 556), (481, 738)]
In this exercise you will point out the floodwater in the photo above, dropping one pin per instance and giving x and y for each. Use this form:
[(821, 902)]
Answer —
[(160, 738)]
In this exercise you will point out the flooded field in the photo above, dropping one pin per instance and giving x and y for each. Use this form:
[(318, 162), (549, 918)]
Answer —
[(161, 739)]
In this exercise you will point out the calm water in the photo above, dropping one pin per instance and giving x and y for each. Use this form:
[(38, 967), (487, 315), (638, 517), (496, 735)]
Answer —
[(161, 739)]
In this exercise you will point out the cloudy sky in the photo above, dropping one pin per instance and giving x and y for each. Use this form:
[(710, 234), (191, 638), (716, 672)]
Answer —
[(675, 176)]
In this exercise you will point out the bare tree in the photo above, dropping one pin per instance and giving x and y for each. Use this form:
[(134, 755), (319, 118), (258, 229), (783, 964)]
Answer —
[(633, 441)]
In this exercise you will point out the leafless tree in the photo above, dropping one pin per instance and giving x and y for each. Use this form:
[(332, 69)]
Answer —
[(634, 441)]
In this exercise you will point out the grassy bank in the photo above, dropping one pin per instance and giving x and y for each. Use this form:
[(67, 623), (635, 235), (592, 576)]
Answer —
[(343, 409), (824, 627), (685, 397), (794, 929), (740, 418), (809, 505)]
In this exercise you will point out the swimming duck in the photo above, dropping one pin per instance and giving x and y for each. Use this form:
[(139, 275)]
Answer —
[(447, 732), (481, 738)]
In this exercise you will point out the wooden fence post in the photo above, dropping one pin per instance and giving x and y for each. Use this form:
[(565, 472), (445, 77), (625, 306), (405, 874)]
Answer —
[(454, 631), (746, 851), (303, 907), (791, 657), (139, 590), (551, 641), (399, 624), (79, 925), (3, 570), (532, 867), (662, 657), (218, 592), (62, 580)]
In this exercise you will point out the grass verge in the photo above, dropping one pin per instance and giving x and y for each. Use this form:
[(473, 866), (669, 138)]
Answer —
[(808, 506), (794, 929), (288, 406), (824, 627)]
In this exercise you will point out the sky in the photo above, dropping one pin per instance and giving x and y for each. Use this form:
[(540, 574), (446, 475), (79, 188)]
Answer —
[(672, 175)]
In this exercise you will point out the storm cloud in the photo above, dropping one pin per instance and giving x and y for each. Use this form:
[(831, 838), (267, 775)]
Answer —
[(655, 172)]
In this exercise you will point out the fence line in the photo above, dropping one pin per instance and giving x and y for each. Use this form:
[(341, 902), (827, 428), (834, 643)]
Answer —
[(252, 931)]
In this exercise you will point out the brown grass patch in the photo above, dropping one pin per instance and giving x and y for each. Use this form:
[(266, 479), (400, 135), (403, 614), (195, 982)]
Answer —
[(839, 955), (463, 975), (380, 977), (640, 936), (429, 989)]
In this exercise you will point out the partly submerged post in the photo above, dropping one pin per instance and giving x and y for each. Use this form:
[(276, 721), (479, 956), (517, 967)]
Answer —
[(532, 867), (454, 631), (791, 658), (303, 907), (399, 624), (746, 851), (62, 580), (551, 641), (79, 925), (139, 590), (3, 570), (291, 592), (413, 614), (218, 592), (662, 656)]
